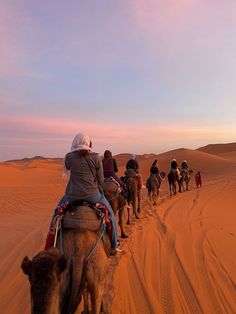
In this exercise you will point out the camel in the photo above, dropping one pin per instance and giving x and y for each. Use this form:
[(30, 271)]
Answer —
[(58, 281), (117, 202), (153, 186), (134, 193), (185, 178), (172, 179)]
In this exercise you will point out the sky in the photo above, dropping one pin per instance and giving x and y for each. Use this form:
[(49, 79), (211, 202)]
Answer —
[(142, 76)]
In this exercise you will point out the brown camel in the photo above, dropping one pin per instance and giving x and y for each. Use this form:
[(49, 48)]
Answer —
[(185, 178), (173, 180), (134, 193), (153, 186), (117, 202), (57, 281)]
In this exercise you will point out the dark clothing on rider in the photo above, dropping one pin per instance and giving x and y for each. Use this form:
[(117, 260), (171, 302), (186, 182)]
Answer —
[(184, 165), (132, 164), (174, 164), (154, 170), (109, 167)]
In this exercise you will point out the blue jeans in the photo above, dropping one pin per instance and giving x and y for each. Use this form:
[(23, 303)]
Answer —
[(101, 198), (97, 198)]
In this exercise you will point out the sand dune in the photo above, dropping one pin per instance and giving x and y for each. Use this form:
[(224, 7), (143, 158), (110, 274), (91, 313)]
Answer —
[(179, 257), (216, 149)]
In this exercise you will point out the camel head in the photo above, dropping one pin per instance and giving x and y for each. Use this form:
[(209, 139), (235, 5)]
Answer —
[(45, 277)]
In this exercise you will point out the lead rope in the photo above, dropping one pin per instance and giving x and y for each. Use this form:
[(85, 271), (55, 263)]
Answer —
[(102, 231), (57, 227)]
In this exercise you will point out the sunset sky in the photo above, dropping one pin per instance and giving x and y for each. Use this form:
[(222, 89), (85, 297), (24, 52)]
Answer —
[(136, 75)]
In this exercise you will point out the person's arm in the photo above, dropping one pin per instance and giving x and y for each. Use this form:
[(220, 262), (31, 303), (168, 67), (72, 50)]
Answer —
[(99, 172), (67, 162), (115, 165), (137, 165)]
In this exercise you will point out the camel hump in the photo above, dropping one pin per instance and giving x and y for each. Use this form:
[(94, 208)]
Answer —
[(83, 217), (110, 186)]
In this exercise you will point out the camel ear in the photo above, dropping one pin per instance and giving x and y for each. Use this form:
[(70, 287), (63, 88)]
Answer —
[(61, 264), (26, 265)]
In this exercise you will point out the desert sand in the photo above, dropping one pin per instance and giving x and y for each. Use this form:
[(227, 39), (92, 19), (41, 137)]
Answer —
[(179, 257)]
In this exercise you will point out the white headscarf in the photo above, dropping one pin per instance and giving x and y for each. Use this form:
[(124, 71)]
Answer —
[(133, 156), (80, 142)]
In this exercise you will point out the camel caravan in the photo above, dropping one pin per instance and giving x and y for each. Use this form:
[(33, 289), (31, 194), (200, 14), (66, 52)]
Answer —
[(82, 233)]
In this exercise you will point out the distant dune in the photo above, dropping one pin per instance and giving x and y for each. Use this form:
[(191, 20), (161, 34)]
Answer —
[(217, 149), (207, 163)]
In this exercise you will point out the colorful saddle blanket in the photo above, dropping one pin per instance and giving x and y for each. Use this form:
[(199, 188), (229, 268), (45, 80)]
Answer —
[(79, 214)]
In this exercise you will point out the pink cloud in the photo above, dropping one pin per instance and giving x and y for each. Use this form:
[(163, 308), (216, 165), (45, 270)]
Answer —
[(28, 136), (58, 128)]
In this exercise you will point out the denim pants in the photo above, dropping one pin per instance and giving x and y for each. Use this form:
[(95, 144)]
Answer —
[(101, 198), (98, 198)]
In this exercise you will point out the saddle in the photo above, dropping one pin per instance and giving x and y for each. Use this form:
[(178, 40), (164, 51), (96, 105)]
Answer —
[(152, 178), (111, 185), (184, 170), (131, 173), (79, 214), (83, 217)]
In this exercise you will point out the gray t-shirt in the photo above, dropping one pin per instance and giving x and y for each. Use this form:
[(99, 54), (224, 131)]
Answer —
[(86, 175)]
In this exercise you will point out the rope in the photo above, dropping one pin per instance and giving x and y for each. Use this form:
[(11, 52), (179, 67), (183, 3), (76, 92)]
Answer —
[(116, 196), (57, 226), (102, 230), (61, 240)]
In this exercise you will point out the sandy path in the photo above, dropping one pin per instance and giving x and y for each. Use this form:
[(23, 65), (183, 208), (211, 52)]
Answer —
[(181, 257)]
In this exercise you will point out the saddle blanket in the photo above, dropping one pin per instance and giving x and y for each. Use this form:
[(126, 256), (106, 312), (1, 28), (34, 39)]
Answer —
[(79, 214)]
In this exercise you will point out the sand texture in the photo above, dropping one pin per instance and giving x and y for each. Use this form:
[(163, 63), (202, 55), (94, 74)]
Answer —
[(179, 257)]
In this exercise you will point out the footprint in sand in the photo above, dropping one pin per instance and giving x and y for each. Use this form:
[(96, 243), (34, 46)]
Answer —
[(232, 234)]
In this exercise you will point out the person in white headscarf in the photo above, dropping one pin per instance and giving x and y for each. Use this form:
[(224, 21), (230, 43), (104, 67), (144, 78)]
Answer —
[(86, 176)]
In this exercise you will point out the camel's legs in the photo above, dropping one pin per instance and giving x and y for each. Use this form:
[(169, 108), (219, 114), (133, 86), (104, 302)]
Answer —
[(96, 292), (86, 302), (121, 213), (139, 200), (128, 220)]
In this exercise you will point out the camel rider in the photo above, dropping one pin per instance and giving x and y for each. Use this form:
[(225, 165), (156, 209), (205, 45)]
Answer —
[(86, 177), (184, 165), (110, 168), (174, 166), (132, 163), (155, 171), (109, 165), (132, 169), (198, 179)]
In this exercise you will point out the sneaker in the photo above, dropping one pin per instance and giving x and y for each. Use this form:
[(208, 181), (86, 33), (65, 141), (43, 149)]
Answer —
[(118, 249)]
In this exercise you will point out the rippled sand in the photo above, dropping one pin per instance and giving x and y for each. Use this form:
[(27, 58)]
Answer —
[(179, 257)]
